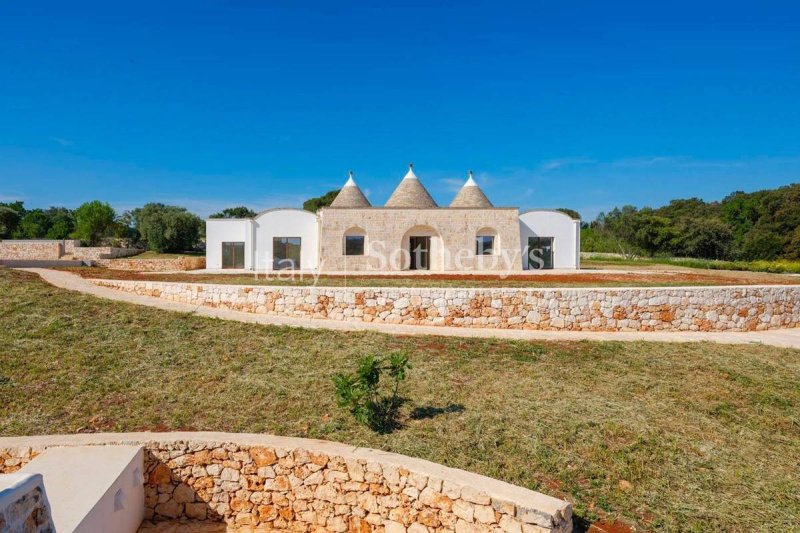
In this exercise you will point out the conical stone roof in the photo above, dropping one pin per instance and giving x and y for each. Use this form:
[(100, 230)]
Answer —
[(410, 193), (470, 195), (350, 195)]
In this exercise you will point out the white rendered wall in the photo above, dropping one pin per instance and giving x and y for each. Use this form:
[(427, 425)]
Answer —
[(287, 223), (219, 230), (565, 231)]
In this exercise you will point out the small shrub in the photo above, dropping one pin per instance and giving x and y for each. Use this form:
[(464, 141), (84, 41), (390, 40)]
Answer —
[(361, 393)]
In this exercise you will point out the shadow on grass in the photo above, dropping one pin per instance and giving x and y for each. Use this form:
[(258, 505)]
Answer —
[(428, 411)]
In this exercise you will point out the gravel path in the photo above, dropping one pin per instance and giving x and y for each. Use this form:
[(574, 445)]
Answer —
[(788, 338)]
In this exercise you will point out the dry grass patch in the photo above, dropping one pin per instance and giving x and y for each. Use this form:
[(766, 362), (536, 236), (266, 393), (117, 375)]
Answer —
[(669, 436)]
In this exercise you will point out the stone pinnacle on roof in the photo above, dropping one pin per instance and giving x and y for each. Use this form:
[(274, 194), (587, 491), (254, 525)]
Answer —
[(410, 193), (350, 195), (470, 195)]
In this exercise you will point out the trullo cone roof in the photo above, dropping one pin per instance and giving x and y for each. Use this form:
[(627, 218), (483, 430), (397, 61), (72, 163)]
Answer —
[(410, 193), (470, 195), (350, 195)]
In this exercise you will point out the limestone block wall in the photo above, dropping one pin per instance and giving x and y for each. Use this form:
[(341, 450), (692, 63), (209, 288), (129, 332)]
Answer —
[(740, 308), (23, 504), (26, 250), (52, 250), (311, 485), (154, 265), (453, 232)]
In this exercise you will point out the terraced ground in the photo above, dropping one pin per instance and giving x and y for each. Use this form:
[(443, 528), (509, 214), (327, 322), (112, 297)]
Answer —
[(690, 437)]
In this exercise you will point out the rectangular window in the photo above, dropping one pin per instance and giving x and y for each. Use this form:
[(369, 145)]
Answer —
[(232, 255), (354, 245), (285, 253), (484, 245)]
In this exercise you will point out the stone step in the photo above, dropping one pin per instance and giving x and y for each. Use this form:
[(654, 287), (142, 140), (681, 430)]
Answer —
[(93, 488)]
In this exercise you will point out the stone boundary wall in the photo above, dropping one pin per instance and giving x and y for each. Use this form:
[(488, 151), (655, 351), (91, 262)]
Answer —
[(26, 250), (740, 308), (155, 265), (54, 249), (23, 504), (312, 485)]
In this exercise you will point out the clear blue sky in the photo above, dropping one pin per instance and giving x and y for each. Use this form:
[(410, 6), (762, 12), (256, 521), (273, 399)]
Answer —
[(553, 104)]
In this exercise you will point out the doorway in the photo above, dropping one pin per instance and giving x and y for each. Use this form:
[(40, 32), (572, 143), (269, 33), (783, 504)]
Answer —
[(420, 249), (232, 255), (286, 253), (540, 253)]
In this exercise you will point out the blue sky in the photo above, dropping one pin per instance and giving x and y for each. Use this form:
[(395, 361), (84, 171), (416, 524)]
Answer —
[(553, 104)]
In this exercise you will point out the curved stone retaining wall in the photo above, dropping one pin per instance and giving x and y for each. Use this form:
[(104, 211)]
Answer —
[(312, 485), (741, 308)]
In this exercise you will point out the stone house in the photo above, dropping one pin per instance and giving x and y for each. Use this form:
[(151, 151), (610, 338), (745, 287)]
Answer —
[(410, 232)]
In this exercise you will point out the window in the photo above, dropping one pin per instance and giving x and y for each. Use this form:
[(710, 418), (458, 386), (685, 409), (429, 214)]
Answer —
[(232, 255), (484, 245), (354, 245), (285, 253)]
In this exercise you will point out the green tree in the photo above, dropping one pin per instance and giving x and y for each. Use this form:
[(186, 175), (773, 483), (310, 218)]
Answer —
[(33, 225), (760, 243), (315, 204), (571, 212), (235, 212), (10, 215), (705, 238), (94, 221), (61, 222), (167, 228)]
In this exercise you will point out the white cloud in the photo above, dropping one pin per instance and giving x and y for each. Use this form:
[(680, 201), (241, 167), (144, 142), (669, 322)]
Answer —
[(62, 141)]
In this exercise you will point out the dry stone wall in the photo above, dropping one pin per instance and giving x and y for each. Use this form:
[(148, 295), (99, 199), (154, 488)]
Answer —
[(154, 265), (746, 308), (276, 483), (29, 250)]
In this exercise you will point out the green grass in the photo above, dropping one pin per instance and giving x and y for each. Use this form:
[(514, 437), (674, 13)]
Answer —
[(778, 266), (707, 435)]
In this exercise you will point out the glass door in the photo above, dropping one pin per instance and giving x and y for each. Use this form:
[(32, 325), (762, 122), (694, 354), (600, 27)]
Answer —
[(286, 253), (420, 253), (232, 255), (540, 253)]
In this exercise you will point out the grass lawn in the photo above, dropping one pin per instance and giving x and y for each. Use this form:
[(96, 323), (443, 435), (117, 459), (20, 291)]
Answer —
[(665, 436)]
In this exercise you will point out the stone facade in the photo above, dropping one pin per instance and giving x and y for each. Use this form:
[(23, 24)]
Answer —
[(154, 265), (452, 231), (274, 483), (747, 308)]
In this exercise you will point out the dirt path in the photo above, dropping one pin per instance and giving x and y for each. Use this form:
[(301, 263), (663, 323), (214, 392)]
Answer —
[(789, 338)]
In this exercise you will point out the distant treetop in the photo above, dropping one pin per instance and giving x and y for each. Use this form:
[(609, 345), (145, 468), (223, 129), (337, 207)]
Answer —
[(235, 212), (314, 204)]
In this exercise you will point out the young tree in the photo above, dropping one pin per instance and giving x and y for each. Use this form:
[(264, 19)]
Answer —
[(167, 228), (93, 222), (235, 212)]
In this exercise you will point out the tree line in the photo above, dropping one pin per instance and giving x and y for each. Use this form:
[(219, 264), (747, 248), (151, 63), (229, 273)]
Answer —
[(762, 225), (155, 226)]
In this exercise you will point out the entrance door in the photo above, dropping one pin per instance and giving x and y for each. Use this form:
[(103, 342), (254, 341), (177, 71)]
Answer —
[(286, 253), (420, 248), (540, 253), (232, 255)]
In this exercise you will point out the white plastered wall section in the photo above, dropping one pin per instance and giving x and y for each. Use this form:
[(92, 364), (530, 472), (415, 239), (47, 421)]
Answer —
[(219, 230), (286, 223), (566, 233)]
